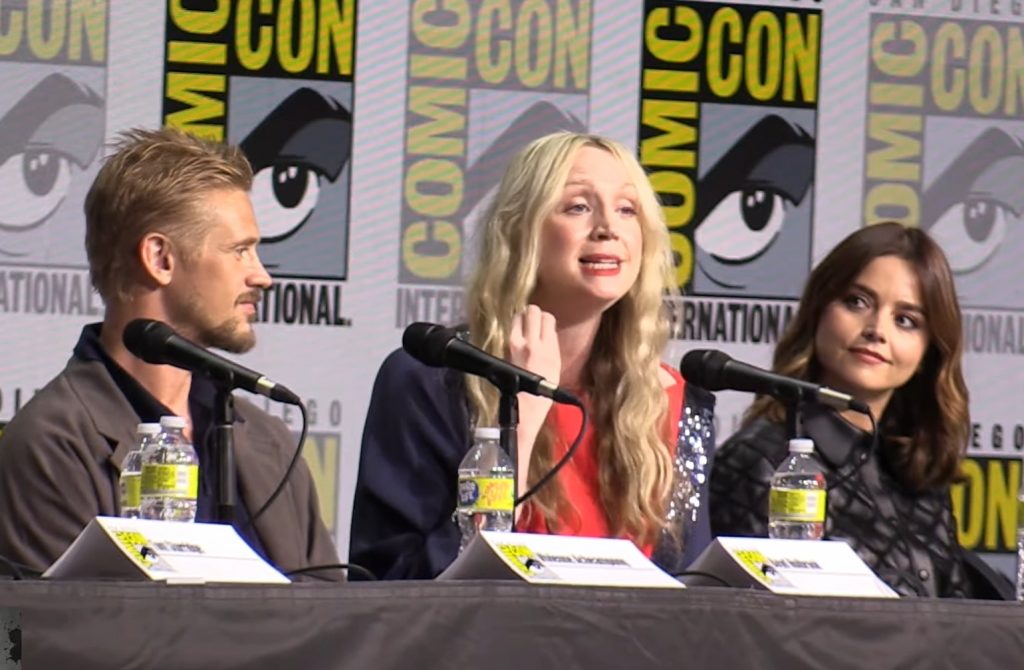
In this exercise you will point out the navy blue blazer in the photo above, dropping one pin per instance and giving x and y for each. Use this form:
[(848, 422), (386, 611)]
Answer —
[(416, 434)]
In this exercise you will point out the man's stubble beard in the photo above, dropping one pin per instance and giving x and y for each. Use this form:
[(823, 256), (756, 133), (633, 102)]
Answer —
[(227, 335)]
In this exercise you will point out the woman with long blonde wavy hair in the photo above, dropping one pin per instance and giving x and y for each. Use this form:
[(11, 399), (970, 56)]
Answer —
[(570, 277)]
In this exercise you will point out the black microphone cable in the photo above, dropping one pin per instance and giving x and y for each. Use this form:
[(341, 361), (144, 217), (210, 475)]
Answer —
[(288, 472), (353, 568), (872, 449), (19, 571), (566, 457), (915, 581), (311, 570)]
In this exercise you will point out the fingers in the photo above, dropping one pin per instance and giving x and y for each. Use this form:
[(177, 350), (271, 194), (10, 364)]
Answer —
[(533, 345), (537, 325), (533, 342), (532, 328), (547, 328), (533, 318), (516, 338)]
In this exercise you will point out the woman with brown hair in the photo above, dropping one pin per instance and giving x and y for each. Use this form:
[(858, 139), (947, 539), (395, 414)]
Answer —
[(879, 319)]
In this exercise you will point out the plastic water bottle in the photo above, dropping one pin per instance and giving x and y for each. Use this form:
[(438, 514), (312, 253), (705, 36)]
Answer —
[(797, 501), (130, 484), (1020, 540), (170, 474), (486, 494)]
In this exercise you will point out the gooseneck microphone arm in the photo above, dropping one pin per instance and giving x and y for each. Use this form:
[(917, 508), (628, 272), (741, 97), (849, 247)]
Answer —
[(224, 440), (794, 418), (508, 426), (792, 400)]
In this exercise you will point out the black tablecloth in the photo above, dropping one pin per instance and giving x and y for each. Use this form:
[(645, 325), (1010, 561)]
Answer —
[(491, 625)]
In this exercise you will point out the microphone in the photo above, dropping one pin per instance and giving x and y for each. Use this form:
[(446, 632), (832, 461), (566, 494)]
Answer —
[(156, 342), (441, 347), (716, 371)]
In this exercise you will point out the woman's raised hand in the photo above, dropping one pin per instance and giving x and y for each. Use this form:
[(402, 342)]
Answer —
[(533, 345)]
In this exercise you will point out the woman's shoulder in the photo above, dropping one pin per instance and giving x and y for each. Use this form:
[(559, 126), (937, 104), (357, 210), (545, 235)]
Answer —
[(399, 365), (402, 374)]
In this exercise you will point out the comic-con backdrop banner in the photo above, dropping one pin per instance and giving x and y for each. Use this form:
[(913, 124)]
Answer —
[(378, 131)]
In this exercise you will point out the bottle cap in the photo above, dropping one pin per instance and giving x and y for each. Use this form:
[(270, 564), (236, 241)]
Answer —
[(170, 421), (147, 429), (487, 434), (801, 445)]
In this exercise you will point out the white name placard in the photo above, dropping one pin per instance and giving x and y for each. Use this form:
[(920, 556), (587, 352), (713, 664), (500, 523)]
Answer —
[(557, 559), (794, 567), (174, 552)]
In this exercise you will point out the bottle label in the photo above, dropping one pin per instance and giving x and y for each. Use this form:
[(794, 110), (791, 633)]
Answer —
[(486, 494), (172, 481), (801, 505), (131, 490)]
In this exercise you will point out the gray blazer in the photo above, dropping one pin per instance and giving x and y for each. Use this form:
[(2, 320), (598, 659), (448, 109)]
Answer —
[(60, 460)]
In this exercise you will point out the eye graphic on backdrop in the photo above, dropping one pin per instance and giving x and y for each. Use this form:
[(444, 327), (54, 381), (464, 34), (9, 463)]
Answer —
[(37, 180), (302, 142), (971, 232), (968, 209), (484, 174), (283, 196), (743, 224), (745, 198), (52, 132)]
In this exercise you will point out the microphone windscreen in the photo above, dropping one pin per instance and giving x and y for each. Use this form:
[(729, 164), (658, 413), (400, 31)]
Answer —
[(146, 338), (426, 342), (705, 368)]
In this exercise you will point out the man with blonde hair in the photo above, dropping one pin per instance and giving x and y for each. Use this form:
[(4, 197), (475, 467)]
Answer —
[(170, 236)]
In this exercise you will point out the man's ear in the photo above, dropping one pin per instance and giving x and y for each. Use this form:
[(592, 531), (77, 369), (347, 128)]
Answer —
[(158, 258)]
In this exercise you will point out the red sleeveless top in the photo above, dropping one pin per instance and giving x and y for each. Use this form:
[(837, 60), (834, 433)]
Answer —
[(579, 477)]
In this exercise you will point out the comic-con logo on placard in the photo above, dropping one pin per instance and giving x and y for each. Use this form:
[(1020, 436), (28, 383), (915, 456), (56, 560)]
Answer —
[(53, 60), (277, 79), (728, 115), (484, 79), (945, 145)]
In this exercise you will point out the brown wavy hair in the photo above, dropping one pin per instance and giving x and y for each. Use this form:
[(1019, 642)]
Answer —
[(927, 421), (628, 403)]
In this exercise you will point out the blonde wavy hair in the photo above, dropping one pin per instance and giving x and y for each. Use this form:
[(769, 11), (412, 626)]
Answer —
[(927, 419), (628, 402)]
